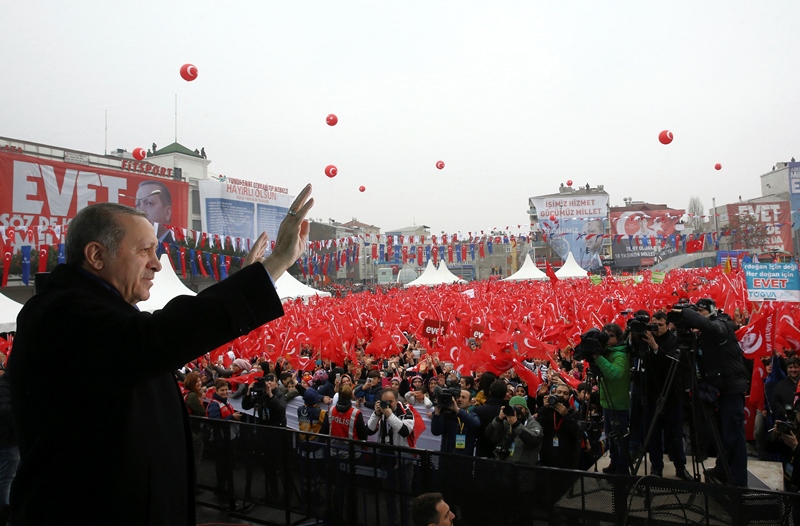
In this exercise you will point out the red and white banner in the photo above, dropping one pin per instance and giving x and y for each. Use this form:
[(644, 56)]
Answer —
[(46, 193), (775, 218)]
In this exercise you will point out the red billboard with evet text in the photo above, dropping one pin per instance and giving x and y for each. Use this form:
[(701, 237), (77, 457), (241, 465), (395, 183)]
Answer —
[(46, 193)]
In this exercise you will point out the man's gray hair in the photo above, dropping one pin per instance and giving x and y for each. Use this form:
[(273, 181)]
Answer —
[(99, 223)]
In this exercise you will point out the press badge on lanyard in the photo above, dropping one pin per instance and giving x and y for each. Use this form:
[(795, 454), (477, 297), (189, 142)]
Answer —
[(461, 438)]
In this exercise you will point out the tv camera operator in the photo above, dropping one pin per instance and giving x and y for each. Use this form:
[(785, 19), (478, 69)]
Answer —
[(785, 431), (268, 402), (607, 353), (662, 386), (721, 366)]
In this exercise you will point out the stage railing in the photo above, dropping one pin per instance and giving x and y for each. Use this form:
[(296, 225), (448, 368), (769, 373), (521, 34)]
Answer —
[(339, 481)]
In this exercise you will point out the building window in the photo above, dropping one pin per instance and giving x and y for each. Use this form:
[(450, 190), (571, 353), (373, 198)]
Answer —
[(195, 201), (197, 224)]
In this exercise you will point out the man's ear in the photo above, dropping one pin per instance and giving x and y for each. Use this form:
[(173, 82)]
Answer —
[(93, 252), (168, 215)]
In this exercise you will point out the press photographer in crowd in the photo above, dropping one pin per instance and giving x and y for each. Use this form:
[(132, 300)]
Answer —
[(451, 421), (561, 442), (516, 436), (608, 355), (785, 435), (721, 365), (662, 356)]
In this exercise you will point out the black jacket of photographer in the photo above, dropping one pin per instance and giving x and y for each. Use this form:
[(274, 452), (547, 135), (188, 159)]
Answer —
[(270, 407), (657, 367), (567, 453), (720, 357)]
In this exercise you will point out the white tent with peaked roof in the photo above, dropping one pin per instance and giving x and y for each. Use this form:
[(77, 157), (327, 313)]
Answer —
[(290, 288), (529, 270), (429, 277), (571, 269), (8, 313), (166, 286), (445, 275)]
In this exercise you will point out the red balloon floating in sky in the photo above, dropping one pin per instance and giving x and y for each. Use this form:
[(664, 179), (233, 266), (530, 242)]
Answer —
[(440, 164), (331, 171), (569, 182), (362, 188), (139, 154), (665, 137), (552, 218), (331, 119), (718, 166), (188, 72)]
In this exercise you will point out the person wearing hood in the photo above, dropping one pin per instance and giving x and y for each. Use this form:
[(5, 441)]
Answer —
[(615, 381), (310, 416)]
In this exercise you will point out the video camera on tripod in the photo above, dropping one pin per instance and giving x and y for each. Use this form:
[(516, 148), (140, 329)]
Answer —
[(686, 337), (593, 343)]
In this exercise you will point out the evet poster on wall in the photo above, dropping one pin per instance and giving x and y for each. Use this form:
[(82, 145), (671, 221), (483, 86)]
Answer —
[(241, 208), (643, 237), (765, 226), (573, 223), (46, 193)]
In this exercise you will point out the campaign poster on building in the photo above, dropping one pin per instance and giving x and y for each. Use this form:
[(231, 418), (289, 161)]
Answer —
[(574, 223), (47, 193), (642, 238), (772, 281), (763, 226), (241, 208), (794, 196)]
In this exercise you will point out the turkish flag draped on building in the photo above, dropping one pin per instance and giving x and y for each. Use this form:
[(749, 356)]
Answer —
[(43, 258)]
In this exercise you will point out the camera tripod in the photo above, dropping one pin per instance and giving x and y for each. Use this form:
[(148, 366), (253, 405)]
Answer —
[(689, 350)]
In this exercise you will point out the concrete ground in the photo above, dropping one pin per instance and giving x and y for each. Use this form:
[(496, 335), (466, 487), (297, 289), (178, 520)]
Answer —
[(768, 473)]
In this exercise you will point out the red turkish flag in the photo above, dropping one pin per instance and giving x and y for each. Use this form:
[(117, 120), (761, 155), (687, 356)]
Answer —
[(449, 253), (434, 254), (550, 273), (757, 338), (695, 245), (374, 251), (43, 258), (480, 250), (463, 253), (405, 254)]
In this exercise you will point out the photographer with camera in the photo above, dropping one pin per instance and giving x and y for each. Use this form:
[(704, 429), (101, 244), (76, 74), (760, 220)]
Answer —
[(267, 400), (614, 380), (785, 433), (516, 436), (561, 439), (662, 346), (457, 427), (721, 365)]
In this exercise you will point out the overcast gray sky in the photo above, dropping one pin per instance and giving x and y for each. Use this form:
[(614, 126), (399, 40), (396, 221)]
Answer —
[(515, 97)]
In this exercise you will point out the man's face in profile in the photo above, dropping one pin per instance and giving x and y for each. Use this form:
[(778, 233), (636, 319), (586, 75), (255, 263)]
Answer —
[(596, 242), (149, 200)]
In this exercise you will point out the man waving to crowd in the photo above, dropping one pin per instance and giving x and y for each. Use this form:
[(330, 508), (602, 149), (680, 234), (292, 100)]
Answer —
[(127, 458)]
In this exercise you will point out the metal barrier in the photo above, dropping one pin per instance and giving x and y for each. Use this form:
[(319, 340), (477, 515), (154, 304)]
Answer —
[(323, 480)]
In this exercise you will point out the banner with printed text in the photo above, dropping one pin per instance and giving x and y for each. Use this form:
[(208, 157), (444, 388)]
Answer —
[(769, 223), (241, 208), (772, 281), (642, 238), (574, 223), (47, 193)]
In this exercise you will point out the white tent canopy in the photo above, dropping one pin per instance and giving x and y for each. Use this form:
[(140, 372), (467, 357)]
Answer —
[(571, 269), (8, 313), (446, 276), (289, 288), (166, 286), (429, 277), (529, 270)]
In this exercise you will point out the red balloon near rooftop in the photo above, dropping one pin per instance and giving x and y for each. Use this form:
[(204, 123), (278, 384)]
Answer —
[(331, 119)]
